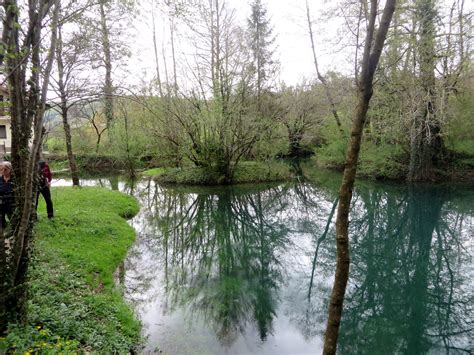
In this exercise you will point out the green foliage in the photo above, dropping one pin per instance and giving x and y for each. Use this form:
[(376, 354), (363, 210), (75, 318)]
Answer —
[(36, 339), (459, 132), (74, 302), (465, 163), (153, 172), (382, 161), (246, 172), (333, 153), (56, 145), (376, 160), (56, 165), (254, 171), (127, 139)]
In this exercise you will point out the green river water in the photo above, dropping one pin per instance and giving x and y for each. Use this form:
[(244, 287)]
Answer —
[(249, 269)]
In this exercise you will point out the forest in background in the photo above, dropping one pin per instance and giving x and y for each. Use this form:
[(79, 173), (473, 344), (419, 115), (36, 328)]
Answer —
[(223, 104)]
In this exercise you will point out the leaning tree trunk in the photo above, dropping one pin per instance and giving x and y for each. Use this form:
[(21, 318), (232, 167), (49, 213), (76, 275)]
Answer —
[(426, 143), (372, 51), (321, 78)]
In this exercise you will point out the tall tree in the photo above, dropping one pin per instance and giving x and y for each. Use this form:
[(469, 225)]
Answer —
[(109, 47), (70, 83), (261, 43), (28, 79), (155, 49), (106, 48), (426, 143), (374, 42)]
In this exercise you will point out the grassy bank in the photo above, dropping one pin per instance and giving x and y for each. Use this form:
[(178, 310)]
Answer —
[(74, 305), (390, 162), (246, 172)]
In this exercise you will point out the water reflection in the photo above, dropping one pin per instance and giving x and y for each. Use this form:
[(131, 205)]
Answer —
[(249, 269), (411, 290), (238, 260)]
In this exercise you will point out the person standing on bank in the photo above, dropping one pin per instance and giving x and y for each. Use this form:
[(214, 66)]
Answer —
[(45, 178), (6, 192)]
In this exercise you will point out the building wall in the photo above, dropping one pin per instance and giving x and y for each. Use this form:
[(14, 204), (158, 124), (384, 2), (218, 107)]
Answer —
[(7, 141), (5, 124)]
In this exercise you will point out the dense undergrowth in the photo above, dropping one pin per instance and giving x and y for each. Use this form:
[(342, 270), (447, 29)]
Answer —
[(246, 172), (74, 305), (381, 159)]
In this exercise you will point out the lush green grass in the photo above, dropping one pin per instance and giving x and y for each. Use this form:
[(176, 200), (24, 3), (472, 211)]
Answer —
[(246, 172), (74, 304), (153, 172)]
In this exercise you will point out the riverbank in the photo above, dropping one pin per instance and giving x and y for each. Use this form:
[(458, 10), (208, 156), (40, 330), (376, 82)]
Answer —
[(74, 304), (94, 163), (391, 163), (246, 172), (376, 163)]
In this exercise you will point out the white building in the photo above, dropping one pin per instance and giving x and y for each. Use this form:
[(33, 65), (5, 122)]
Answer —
[(5, 124)]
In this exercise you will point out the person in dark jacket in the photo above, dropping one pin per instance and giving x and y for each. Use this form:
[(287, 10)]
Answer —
[(7, 198), (45, 178)]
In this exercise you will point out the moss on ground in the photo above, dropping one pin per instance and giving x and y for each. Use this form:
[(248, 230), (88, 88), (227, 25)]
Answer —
[(74, 305), (246, 172)]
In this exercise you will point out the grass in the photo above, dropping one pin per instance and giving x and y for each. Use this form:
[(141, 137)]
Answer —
[(246, 172), (74, 305), (153, 172)]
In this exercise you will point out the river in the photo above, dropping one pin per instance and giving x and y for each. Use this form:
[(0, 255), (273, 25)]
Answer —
[(248, 269)]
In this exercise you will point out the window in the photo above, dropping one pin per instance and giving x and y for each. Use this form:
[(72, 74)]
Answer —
[(3, 132)]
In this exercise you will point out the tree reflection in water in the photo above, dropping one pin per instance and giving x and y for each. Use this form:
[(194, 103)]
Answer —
[(238, 258), (221, 255), (409, 292)]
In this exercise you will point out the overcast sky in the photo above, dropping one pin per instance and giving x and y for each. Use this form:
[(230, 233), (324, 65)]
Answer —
[(293, 46), (288, 18)]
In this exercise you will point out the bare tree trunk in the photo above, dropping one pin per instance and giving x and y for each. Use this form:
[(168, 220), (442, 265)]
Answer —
[(70, 154), (321, 78), (130, 161), (155, 47), (175, 77), (65, 109), (108, 86), (372, 51)]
